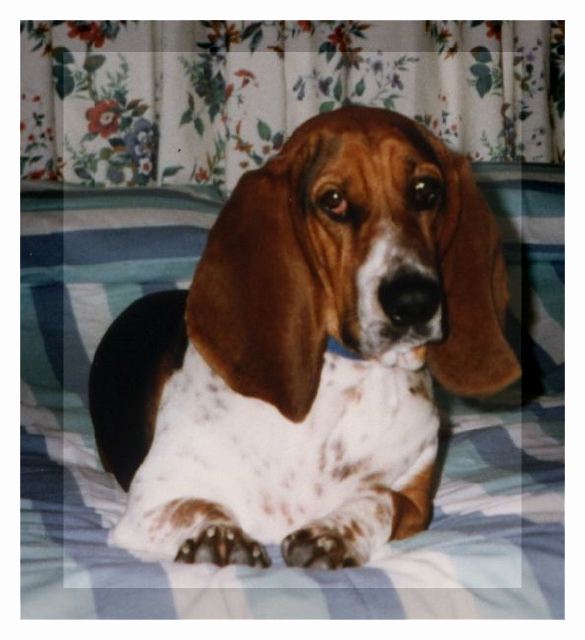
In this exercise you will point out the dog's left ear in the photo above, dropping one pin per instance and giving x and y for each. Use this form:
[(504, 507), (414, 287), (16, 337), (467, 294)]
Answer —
[(255, 308), (475, 359)]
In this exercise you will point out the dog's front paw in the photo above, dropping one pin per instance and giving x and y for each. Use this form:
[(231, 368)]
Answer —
[(223, 544), (319, 548)]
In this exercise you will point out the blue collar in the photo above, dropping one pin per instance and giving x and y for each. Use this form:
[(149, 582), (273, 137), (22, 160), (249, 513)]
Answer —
[(333, 346)]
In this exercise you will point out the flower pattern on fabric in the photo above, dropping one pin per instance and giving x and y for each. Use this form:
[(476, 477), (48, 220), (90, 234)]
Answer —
[(226, 102), (104, 118)]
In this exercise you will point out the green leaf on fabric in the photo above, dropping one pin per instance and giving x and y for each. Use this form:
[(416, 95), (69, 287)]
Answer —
[(199, 126), (481, 54), (64, 82), (256, 39), (140, 111), (62, 55), (483, 85), (187, 116), (171, 171), (251, 29), (327, 106), (214, 111), (390, 101), (360, 87), (117, 143), (264, 131), (328, 48), (480, 70), (93, 63), (82, 173), (338, 90), (277, 140)]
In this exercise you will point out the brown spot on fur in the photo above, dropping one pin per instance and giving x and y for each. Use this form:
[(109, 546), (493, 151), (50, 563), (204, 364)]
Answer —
[(351, 531), (345, 470), (184, 513), (356, 528), (284, 509), (188, 511), (418, 387), (352, 394), (372, 478), (338, 450), (347, 534), (342, 472), (413, 505)]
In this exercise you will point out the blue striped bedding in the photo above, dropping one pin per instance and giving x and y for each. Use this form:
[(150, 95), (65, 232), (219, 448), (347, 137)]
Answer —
[(495, 547)]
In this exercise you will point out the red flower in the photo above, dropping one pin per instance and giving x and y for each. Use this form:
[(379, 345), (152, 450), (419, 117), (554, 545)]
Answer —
[(244, 73), (494, 29), (340, 39), (103, 118), (202, 175), (305, 25), (89, 32), (22, 125)]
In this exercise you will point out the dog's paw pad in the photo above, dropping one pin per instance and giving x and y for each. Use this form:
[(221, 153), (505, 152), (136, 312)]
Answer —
[(223, 544), (319, 548)]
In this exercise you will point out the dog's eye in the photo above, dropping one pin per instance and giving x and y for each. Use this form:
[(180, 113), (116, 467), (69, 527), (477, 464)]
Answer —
[(424, 193), (334, 203)]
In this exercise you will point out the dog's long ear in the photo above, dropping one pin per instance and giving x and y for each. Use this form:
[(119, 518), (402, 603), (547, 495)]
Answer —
[(475, 359), (254, 310)]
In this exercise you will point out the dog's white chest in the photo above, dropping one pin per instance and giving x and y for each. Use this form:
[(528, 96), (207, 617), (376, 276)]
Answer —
[(274, 475)]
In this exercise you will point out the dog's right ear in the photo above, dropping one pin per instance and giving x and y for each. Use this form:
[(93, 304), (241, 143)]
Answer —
[(255, 307), (475, 358)]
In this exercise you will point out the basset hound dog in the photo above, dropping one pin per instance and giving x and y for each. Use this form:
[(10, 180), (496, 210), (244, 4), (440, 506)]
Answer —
[(222, 412)]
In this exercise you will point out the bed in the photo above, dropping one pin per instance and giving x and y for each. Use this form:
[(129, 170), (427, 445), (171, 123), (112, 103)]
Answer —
[(495, 547)]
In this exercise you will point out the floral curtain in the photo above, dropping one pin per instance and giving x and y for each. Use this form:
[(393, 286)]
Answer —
[(123, 103)]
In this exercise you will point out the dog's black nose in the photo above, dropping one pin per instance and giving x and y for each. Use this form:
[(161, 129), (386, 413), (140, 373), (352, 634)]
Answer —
[(409, 299)]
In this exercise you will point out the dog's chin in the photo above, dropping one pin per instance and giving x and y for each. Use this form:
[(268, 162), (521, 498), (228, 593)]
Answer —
[(411, 358), (406, 353)]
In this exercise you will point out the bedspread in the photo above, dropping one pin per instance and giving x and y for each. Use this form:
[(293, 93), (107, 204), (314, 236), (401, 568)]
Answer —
[(495, 546)]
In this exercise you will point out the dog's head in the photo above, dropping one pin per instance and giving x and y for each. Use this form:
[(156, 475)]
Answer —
[(366, 228)]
